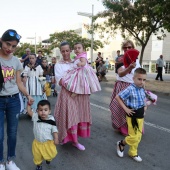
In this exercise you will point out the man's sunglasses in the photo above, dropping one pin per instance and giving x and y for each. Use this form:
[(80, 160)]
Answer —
[(129, 47), (12, 34)]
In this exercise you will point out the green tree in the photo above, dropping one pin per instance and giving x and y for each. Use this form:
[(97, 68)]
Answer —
[(20, 50), (72, 37), (138, 19), (44, 48)]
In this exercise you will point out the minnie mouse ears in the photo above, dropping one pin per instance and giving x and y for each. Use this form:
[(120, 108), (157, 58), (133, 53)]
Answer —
[(130, 56)]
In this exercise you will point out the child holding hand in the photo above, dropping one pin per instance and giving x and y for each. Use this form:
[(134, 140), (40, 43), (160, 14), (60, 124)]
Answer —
[(45, 133)]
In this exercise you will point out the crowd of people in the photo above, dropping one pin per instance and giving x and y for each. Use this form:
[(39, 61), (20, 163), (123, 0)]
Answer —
[(72, 116), (28, 79)]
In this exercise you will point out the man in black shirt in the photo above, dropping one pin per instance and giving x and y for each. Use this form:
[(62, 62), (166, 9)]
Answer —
[(39, 57), (98, 59)]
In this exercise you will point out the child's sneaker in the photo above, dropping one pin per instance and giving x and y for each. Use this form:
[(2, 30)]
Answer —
[(11, 166), (120, 149), (39, 167), (2, 167), (137, 158)]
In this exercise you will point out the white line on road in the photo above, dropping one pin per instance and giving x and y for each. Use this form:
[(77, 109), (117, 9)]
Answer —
[(100, 107), (147, 123), (157, 127)]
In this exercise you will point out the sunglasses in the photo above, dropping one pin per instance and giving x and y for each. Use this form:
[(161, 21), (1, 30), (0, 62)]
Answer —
[(129, 47), (12, 34)]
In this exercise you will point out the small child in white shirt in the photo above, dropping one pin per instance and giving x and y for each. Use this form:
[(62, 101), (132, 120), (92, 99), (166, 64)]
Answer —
[(45, 133)]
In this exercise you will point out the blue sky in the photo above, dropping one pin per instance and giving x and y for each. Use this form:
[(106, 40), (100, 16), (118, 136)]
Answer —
[(43, 16)]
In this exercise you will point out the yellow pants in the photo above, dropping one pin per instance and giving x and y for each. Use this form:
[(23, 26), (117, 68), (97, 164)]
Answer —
[(134, 136), (47, 88), (43, 151)]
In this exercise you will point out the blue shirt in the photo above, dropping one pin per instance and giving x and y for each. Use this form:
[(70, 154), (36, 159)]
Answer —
[(26, 61), (160, 62), (39, 61), (133, 96)]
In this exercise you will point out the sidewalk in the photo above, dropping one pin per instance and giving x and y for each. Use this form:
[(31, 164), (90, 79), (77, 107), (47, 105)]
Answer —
[(151, 84)]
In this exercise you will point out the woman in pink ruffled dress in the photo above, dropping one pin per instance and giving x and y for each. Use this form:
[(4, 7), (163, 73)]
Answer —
[(81, 79)]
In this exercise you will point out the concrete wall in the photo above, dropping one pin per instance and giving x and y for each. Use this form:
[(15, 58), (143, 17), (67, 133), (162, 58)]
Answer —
[(166, 47)]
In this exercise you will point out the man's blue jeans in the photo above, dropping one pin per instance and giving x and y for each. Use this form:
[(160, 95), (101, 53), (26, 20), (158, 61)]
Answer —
[(9, 106)]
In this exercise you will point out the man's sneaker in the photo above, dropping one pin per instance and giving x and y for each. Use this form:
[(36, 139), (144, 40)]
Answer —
[(11, 166), (120, 151), (39, 167), (2, 167), (137, 158)]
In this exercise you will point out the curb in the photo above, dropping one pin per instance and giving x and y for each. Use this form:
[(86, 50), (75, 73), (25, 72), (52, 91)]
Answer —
[(110, 82)]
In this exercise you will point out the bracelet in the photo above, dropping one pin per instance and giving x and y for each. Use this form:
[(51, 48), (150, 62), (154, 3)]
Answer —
[(28, 104)]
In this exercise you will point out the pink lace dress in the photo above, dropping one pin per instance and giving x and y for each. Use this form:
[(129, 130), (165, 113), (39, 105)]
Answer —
[(81, 80)]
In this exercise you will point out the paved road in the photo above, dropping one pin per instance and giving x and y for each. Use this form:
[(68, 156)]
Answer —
[(100, 153)]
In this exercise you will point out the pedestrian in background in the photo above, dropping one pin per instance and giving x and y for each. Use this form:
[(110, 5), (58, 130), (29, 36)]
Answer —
[(98, 59), (25, 57), (132, 100), (159, 67), (47, 75), (10, 85), (118, 54), (101, 70), (117, 59), (52, 70), (39, 57), (107, 64)]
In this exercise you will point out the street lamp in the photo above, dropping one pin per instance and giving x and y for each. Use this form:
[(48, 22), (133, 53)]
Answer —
[(90, 15), (33, 38)]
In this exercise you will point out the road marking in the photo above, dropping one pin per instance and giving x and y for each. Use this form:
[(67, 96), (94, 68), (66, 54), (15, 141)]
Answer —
[(157, 127), (147, 123), (100, 107)]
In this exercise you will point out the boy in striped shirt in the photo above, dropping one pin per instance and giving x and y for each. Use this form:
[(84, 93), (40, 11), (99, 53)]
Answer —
[(132, 100)]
